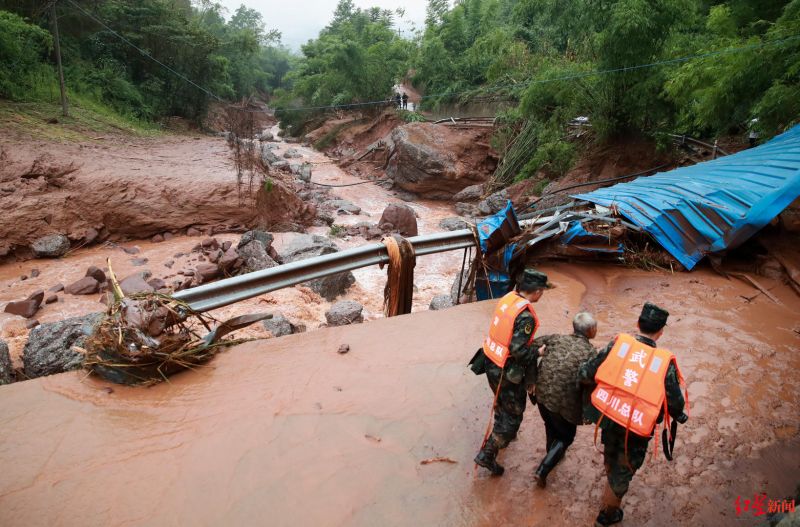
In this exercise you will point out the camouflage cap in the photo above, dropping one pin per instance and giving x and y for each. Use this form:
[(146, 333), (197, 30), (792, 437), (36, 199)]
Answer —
[(532, 279), (654, 314)]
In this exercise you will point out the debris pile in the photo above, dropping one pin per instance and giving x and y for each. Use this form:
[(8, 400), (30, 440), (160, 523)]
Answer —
[(145, 337)]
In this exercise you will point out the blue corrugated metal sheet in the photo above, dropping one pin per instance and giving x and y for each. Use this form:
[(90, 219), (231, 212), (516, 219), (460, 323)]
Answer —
[(696, 210)]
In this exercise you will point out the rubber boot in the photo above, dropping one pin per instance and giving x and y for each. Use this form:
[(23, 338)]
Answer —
[(550, 460), (611, 512), (487, 458), (608, 516)]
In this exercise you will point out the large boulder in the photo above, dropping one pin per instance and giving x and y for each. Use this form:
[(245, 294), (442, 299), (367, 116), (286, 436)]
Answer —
[(436, 162), (453, 224), (87, 285), (342, 206), (401, 217), (254, 257), (278, 325), (51, 246), (6, 369), (345, 312), (493, 203), (441, 302), (309, 246), (263, 237), (470, 193), (28, 307), (49, 347), (136, 283)]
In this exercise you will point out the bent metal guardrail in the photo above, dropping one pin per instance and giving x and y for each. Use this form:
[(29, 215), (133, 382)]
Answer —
[(238, 288)]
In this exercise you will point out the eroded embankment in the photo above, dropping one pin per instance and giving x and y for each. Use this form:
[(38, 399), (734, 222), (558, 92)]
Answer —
[(120, 188), (289, 430)]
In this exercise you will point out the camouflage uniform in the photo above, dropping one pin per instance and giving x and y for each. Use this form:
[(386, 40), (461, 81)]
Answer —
[(618, 469), (558, 395), (512, 390), (512, 399), (557, 387)]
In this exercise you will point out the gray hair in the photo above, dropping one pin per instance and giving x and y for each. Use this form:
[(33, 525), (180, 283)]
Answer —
[(584, 323)]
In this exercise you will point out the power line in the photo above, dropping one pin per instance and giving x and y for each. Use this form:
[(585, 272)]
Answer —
[(574, 76), (145, 53)]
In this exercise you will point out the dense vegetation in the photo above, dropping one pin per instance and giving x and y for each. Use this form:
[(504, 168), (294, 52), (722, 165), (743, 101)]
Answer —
[(548, 60), (230, 59), (514, 49), (357, 58)]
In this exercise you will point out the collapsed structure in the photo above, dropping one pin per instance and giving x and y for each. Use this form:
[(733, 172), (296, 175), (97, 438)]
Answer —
[(689, 211)]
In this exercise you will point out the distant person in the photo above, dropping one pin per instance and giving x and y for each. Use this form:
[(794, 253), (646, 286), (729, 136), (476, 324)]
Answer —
[(398, 101), (633, 382), (506, 356), (753, 133), (405, 101), (557, 392)]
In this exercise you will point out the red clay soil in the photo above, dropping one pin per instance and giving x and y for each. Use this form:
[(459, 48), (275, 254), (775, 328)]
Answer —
[(618, 157), (131, 188), (292, 431)]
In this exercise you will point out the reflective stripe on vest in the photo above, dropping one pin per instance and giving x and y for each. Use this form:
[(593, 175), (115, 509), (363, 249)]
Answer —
[(501, 328), (630, 384)]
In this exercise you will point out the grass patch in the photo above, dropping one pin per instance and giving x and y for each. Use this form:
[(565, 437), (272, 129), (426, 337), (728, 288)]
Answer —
[(87, 120)]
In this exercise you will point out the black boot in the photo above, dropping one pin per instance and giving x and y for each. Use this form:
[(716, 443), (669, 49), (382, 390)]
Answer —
[(487, 458), (550, 460), (608, 516)]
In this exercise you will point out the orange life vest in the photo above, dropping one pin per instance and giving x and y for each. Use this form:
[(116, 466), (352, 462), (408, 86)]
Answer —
[(630, 384), (501, 329)]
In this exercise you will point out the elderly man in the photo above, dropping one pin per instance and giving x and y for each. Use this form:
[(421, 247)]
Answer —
[(557, 392), (506, 355)]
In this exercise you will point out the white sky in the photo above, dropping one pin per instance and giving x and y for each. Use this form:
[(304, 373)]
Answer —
[(301, 20)]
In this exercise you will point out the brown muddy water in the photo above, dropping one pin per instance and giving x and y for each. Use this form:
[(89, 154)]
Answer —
[(433, 274), (288, 432)]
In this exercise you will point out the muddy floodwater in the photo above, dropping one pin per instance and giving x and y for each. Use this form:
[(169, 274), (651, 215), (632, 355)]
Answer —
[(289, 432), (434, 274)]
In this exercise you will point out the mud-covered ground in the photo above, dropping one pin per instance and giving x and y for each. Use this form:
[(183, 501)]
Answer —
[(289, 432), (169, 182)]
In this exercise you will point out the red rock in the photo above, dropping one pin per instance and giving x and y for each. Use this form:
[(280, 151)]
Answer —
[(157, 283), (157, 238), (168, 264), (96, 273), (31, 323), (401, 217), (226, 245), (210, 243), (228, 259), (206, 272), (57, 288), (191, 231), (135, 283), (26, 308), (168, 236), (87, 285), (51, 299), (214, 256)]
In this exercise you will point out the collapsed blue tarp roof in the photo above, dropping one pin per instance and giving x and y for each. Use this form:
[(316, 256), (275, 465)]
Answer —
[(704, 208)]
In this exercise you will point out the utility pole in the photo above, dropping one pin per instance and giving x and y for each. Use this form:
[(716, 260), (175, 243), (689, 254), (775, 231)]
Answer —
[(54, 16)]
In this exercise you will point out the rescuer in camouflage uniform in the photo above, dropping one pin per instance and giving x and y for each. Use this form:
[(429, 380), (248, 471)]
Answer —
[(511, 399), (558, 395), (619, 468)]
